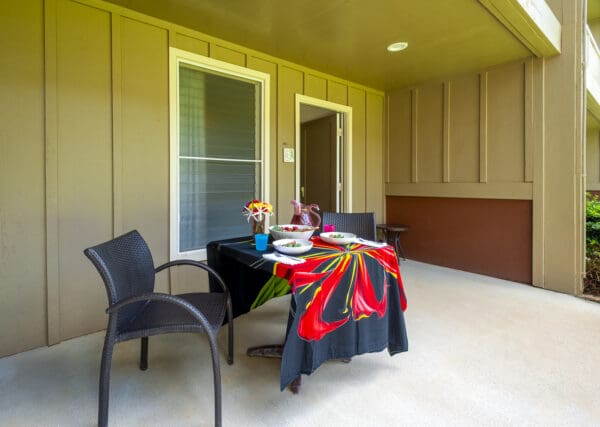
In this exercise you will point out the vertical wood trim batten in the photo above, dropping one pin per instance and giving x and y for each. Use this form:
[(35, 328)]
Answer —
[(51, 131), (414, 102), (446, 134), (386, 148), (537, 137), (483, 94), (528, 120), (172, 274), (117, 158)]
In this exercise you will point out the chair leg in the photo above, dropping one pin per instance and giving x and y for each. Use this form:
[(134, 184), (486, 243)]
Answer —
[(398, 246), (214, 351), (103, 396), (230, 344), (144, 354)]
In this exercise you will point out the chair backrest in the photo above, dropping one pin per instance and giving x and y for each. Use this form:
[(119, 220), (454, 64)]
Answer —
[(361, 223), (127, 269)]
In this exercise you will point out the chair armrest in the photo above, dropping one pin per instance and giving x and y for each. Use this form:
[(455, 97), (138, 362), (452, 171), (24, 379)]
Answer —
[(198, 264), (155, 296)]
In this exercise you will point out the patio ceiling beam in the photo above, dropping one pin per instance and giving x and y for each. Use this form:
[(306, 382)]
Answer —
[(531, 21)]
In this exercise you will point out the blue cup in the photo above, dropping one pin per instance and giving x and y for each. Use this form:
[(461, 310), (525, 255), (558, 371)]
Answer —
[(261, 241)]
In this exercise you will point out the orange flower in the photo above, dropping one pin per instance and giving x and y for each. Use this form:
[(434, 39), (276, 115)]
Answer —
[(257, 210)]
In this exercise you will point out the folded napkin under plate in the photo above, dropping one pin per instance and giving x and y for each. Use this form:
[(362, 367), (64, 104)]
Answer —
[(284, 259)]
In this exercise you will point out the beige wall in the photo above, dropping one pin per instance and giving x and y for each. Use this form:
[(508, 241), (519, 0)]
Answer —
[(593, 159), (91, 110), (595, 28), (510, 132), (462, 137), (22, 227)]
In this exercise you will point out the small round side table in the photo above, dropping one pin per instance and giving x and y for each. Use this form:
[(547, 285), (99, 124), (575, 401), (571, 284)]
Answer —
[(393, 231)]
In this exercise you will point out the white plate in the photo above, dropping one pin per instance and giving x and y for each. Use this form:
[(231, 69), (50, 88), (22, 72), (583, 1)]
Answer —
[(305, 246), (344, 240), (278, 233)]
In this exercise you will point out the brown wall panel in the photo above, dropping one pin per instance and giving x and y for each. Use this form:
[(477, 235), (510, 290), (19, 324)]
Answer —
[(485, 236)]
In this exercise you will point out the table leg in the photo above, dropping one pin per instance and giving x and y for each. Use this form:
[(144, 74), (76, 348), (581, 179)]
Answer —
[(274, 351), (296, 384)]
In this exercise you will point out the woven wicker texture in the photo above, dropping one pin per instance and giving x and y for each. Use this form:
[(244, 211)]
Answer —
[(362, 223), (136, 311)]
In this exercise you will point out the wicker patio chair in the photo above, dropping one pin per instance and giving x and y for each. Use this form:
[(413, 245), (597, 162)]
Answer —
[(362, 223), (136, 311)]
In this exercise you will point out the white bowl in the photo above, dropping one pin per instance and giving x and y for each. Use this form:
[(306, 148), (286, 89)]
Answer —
[(338, 237), (291, 231), (280, 246)]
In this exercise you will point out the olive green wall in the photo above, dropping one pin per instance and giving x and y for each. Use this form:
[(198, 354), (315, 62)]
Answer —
[(595, 28), (462, 137), (85, 152), (22, 222), (511, 132)]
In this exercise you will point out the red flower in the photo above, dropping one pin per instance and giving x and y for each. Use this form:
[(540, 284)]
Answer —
[(325, 271)]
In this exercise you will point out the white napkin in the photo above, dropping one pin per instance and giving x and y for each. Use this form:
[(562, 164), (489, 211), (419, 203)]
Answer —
[(370, 243), (277, 257)]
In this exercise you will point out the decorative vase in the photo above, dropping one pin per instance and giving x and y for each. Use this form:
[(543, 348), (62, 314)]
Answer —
[(258, 225)]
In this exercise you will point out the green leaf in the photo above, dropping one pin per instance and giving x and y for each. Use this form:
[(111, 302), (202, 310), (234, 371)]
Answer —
[(275, 287)]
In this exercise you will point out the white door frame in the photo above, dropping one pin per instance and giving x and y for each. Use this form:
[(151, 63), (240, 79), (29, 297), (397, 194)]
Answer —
[(347, 152)]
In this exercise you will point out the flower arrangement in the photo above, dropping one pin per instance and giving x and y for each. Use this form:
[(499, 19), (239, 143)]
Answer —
[(256, 212)]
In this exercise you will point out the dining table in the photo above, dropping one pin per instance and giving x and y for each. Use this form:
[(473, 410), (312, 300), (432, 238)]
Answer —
[(346, 300)]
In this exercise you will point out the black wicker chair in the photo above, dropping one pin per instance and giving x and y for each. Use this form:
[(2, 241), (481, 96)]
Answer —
[(136, 311), (362, 223)]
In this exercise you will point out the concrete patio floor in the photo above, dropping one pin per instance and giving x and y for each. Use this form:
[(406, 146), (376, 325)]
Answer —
[(482, 351)]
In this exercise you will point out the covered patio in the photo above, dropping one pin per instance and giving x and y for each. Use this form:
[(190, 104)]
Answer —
[(484, 351), (476, 138)]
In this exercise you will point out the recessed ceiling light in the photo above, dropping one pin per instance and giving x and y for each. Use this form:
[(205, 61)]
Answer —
[(398, 46)]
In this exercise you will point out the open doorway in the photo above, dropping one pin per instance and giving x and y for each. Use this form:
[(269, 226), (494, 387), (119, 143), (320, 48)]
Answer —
[(323, 147)]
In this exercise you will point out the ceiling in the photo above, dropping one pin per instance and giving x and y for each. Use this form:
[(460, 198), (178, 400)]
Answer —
[(311, 112), (348, 38)]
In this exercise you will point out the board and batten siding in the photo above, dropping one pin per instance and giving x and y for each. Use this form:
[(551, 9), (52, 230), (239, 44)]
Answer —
[(510, 136), (23, 316), (467, 132), (459, 171), (85, 153)]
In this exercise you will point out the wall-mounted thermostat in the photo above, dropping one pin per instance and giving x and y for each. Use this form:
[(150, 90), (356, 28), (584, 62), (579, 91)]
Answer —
[(288, 155)]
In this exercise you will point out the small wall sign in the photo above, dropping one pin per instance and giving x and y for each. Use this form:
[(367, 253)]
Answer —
[(288, 155)]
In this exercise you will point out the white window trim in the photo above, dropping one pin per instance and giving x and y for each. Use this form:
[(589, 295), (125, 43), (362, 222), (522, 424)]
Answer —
[(176, 57)]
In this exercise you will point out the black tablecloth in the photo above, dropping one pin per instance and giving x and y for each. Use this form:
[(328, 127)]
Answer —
[(345, 301)]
